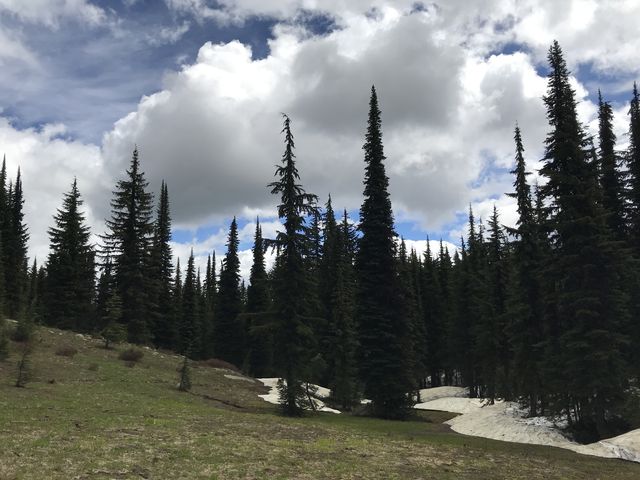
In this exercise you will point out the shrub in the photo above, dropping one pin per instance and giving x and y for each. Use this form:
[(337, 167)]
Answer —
[(24, 366), (67, 351), (93, 367), (24, 329), (184, 384), (113, 333), (131, 355)]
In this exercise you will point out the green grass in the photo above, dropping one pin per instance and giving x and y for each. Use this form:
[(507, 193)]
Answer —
[(93, 417)]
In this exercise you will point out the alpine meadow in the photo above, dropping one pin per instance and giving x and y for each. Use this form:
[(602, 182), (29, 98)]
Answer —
[(428, 266)]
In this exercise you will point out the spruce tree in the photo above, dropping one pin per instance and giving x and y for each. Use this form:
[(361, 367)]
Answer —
[(342, 345), (189, 326), (524, 305), (610, 176), (15, 244), (294, 339), (228, 331), (633, 164), (383, 330), (432, 301), (161, 273), (71, 268), (260, 339), (128, 242), (586, 304)]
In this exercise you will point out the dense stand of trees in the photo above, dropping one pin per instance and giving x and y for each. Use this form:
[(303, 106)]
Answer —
[(544, 312)]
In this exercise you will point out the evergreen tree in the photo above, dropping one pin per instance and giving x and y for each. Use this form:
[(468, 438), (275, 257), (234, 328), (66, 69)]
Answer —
[(293, 334), (260, 337), (208, 315), (610, 177), (228, 331), (585, 304), (342, 337), (432, 301), (128, 242), (633, 164), (15, 244), (383, 329), (161, 272), (189, 327), (71, 268), (524, 306)]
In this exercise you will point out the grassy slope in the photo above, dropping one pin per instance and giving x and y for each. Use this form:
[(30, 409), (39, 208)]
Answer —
[(100, 419)]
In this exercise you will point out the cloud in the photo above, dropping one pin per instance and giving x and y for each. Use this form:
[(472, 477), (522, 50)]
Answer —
[(51, 12), (450, 100), (49, 162)]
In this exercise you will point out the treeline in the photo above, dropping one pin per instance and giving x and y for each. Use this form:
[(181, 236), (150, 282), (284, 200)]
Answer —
[(544, 313)]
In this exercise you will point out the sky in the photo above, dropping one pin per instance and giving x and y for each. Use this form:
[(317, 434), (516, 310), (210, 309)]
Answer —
[(199, 86)]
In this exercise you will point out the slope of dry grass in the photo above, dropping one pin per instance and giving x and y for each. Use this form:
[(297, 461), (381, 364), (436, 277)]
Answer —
[(90, 416)]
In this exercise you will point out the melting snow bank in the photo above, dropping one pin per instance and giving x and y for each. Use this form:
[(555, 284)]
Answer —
[(321, 392), (506, 421)]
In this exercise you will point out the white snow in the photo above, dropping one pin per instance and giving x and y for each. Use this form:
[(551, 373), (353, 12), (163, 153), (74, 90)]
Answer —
[(272, 396), (507, 421)]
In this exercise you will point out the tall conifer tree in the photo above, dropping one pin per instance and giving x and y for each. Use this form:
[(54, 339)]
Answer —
[(128, 242), (294, 337), (71, 268), (383, 329), (229, 341)]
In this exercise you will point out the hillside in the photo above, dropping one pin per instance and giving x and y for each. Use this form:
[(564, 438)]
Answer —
[(90, 416)]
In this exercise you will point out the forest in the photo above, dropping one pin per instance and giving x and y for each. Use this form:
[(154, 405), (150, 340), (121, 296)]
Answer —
[(544, 313)]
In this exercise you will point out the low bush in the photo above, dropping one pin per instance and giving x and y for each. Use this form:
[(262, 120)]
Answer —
[(67, 351), (131, 355)]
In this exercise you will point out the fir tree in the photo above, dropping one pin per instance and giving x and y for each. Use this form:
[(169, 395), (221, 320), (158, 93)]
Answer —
[(383, 329), (258, 307), (15, 244), (342, 336), (71, 268), (524, 305), (610, 177), (189, 326), (161, 271), (228, 331), (633, 163), (586, 305), (293, 334), (432, 301), (128, 242)]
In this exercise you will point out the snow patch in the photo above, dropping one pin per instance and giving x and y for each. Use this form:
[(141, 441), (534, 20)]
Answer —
[(272, 396), (506, 421)]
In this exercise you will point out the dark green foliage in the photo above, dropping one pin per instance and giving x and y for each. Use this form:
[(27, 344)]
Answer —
[(14, 243), (258, 317), (524, 305), (293, 335), (23, 368), (184, 383), (161, 277), (384, 330), (341, 344), (190, 324), (229, 338), (24, 329), (70, 269), (633, 163), (585, 302), (113, 331), (610, 176), (128, 242), (435, 346)]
